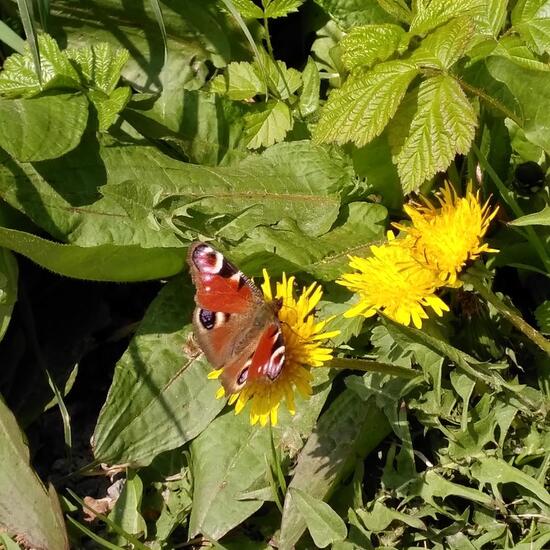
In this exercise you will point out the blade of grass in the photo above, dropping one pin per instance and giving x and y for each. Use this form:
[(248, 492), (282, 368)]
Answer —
[(130, 538), (43, 13), (25, 12), (11, 38), (65, 416), (157, 10), (96, 538)]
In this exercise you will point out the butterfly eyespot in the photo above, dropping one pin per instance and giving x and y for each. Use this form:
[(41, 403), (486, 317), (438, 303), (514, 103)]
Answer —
[(207, 260), (207, 319), (242, 376)]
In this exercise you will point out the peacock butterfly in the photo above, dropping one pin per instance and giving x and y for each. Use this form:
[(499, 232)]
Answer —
[(236, 328)]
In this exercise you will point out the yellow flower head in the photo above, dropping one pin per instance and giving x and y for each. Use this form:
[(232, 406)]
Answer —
[(393, 282), (449, 235), (303, 336)]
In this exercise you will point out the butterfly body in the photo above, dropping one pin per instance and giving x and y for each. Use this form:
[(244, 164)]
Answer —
[(236, 328)]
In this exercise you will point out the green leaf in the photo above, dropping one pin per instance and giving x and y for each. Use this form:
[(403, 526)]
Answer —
[(106, 262), (429, 14), (239, 81), (268, 125), (28, 511), (223, 474), (285, 247), (11, 38), (126, 513), (378, 518), (108, 107), (363, 46), (531, 19), (494, 471), (492, 18), (280, 8), (398, 9), (311, 83), (347, 431), (324, 524), (352, 13), (281, 81), (99, 65), (19, 78), (247, 8), (537, 218), (8, 288), (532, 90), (8, 542), (42, 128), (160, 397), (442, 126), (446, 45), (542, 315), (361, 109)]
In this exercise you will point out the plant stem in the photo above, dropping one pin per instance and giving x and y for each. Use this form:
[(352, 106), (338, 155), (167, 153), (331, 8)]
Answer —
[(534, 335), (372, 366)]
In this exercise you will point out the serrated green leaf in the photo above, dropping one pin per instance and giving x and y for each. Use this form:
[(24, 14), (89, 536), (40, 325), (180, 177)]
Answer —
[(361, 109), (324, 524), (398, 9), (42, 128), (268, 125), (108, 107), (542, 315), (352, 13), (363, 46), (98, 263), (280, 8), (281, 81), (442, 127), (446, 45), (160, 397), (126, 513), (531, 18), (19, 78), (537, 218), (8, 288), (429, 14), (311, 82), (28, 511), (99, 65), (240, 81), (247, 8), (492, 18), (347, 431)]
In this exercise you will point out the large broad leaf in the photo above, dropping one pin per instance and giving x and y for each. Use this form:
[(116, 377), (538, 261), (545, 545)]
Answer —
[(42, 128), (432, 13), (442, 125), (285, 247), (532, 90), (160, 397), (345, 433), (8, 288), (105, 262), (27, 510), (231, 457), (360, 110), (491, 20), (531, 19)]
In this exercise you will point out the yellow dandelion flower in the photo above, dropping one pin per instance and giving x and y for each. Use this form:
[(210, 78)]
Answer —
[(303, 337), (449, 235), (393, 282)]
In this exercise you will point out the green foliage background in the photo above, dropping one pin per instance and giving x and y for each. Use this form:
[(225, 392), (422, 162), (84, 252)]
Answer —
[(289, 133)]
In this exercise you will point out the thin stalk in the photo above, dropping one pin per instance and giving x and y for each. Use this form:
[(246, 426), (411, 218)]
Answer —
[(365, 365), (534, 335), (508, 197)]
